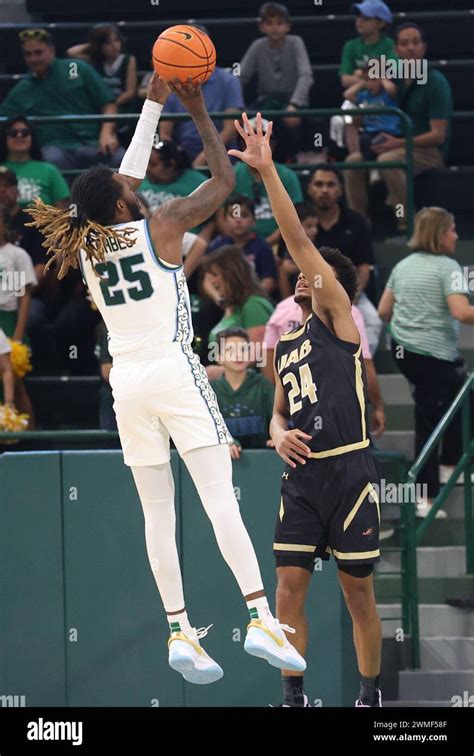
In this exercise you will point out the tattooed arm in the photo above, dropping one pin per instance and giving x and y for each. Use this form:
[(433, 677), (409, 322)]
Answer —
[(173, 218)]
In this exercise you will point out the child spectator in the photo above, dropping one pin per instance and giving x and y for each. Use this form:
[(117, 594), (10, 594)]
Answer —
[(239, 218), (245, 397), (118, 69), (372, 19), (372, 91), (17, 277), (281, 65)]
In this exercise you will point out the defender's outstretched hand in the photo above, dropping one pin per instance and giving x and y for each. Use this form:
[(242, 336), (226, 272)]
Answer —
[(258, 153)]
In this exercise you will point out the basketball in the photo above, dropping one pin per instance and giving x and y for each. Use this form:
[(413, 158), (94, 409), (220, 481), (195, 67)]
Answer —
[(184, 51)]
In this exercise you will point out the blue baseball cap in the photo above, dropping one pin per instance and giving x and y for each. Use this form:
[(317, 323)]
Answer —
[(375, 9)]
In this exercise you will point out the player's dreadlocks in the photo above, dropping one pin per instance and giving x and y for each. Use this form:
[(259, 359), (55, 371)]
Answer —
[(84, 224)]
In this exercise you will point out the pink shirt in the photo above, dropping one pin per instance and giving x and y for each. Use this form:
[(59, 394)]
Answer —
[(287, 315)]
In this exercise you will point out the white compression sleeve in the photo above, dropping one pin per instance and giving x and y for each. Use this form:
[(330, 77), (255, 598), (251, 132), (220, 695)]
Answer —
[(135, 160), (211, 470), (156, 490)]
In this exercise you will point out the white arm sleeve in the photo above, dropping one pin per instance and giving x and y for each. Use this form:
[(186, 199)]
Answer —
[(135, 160)]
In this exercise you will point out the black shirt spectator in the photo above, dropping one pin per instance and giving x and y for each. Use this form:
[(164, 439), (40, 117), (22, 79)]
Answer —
[(351, 235)]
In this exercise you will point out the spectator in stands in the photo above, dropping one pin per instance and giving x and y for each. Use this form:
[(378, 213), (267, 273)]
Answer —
[(222, 94), (288, 271), (242, 298), (105, 52), (17, 277), (287, 316), (117, 68), (281, 65), (424, 299), (30, 239), (249, 182), (372, 19), (20, 152), (244, 395), (6, 372), (239, 217), (342, 228), (107, 419), (55, 87), (428, 102), (169, 175), (372, 91)]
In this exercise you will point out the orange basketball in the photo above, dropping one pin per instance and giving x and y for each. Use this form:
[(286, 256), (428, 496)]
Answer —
[(184, 51)]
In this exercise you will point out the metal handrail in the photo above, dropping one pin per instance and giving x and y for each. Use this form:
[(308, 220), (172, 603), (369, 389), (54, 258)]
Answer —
[(233, 21), (316, 67), (416, 532)]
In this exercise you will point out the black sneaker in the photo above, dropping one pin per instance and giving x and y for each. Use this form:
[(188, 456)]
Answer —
[(378, 694)]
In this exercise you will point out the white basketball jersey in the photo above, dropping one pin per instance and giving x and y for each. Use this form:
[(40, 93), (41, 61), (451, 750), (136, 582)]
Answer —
[(143, 300)]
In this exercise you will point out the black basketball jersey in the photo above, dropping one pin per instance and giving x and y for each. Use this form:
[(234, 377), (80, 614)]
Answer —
[(324, 382)]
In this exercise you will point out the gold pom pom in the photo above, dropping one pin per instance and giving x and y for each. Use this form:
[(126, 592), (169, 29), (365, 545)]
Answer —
[(20, 358), (12, 421)]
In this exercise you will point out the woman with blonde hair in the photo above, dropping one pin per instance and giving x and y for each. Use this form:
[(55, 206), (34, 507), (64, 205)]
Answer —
[(424, 301)]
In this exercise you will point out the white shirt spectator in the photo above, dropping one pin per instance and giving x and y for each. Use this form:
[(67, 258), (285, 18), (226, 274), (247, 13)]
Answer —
[(16, 272)]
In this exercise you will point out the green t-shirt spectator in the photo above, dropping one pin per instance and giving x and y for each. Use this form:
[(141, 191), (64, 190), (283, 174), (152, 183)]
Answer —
[(356, 53), (245, 183), (157, 194), (425, 102), (254, 312), (38, 179), (248, 410), (421, 320), (71, 87)]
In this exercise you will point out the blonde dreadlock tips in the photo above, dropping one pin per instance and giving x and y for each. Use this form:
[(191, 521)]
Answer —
[(64, 236)]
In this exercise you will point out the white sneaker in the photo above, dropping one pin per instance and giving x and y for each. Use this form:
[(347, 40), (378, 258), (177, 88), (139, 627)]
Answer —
[(423, 508), (386, 533), (268, 641), (445, 472), (187, 657)]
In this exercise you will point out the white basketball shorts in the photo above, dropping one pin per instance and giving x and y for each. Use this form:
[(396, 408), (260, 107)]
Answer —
[(163, 396)]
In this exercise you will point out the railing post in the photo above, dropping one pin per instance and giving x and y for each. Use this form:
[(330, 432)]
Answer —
[(410, 536), (410, 176), (466, 446)]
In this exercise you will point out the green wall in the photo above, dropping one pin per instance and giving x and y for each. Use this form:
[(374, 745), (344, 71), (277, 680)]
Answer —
[(81, 621)]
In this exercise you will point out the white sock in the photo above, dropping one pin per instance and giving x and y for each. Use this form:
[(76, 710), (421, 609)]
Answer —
[(259, 609), (180, 623)]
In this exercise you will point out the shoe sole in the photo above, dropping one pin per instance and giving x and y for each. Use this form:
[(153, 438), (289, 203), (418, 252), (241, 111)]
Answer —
[(185, 666), (255, 649)]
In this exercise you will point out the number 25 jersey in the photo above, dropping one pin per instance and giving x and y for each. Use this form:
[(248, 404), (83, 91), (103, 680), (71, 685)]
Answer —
[(143, 300)]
